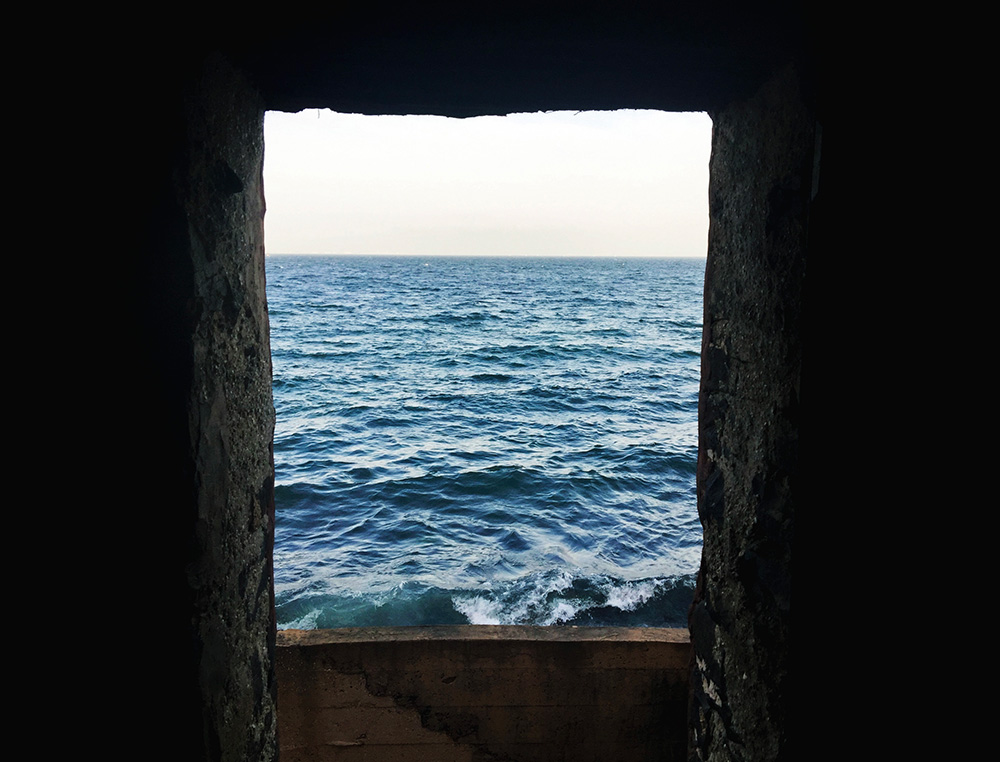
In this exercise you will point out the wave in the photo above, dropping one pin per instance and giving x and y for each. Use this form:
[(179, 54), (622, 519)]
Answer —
[(545, 599)]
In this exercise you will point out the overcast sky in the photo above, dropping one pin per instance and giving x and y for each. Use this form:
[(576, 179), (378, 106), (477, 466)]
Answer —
[(612, 183)]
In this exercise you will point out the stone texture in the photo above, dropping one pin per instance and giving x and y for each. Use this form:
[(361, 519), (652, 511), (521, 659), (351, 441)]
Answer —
[(748, 458), (230, 415)]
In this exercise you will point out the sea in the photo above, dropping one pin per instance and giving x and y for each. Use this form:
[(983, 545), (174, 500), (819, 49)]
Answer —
[(485, 440)]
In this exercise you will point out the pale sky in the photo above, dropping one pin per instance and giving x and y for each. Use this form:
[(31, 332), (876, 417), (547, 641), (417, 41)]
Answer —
[(608, 183)]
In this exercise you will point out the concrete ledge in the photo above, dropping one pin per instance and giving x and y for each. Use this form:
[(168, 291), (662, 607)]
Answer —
[(483, 693), (483, 632)]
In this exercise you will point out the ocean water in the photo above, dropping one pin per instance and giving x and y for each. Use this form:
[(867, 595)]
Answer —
[(485, 440)]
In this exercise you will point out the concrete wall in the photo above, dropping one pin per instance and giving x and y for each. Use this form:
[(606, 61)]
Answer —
[(473, 694)]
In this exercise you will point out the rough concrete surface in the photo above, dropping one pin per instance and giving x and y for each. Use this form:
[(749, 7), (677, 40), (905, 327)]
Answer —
[(444, 694)]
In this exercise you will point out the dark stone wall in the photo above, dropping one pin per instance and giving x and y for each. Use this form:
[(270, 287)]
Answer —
[(194, 450), (764, 153), (464, 59), (230, 414)]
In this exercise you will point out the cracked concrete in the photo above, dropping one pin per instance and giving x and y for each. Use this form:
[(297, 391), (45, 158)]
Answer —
[(487, 694)]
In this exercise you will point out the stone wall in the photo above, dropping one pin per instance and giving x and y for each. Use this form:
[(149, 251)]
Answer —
[(230, 415), (763, 159)]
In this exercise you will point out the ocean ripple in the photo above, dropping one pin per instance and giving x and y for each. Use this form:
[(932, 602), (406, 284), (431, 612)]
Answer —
[(485, 440)]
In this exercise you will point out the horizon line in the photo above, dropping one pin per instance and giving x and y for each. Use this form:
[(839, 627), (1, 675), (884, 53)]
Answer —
[(484, 256)]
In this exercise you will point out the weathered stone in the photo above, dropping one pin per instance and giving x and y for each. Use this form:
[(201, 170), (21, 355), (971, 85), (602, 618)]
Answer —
[(230, 414), (762, 164)]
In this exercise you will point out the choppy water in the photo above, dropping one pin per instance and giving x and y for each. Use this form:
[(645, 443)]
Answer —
[(485, 440)]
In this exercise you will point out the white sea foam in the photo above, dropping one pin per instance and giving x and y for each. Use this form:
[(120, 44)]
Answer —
[(562, 581), (629, 595), (306, 622), (563, 611), (549, 599), (478, 610)]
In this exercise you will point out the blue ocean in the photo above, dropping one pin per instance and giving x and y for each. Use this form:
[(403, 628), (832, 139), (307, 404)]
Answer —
[(485, 440)]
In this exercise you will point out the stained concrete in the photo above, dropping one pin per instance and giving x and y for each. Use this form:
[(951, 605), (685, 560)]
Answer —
[(521, 694)]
